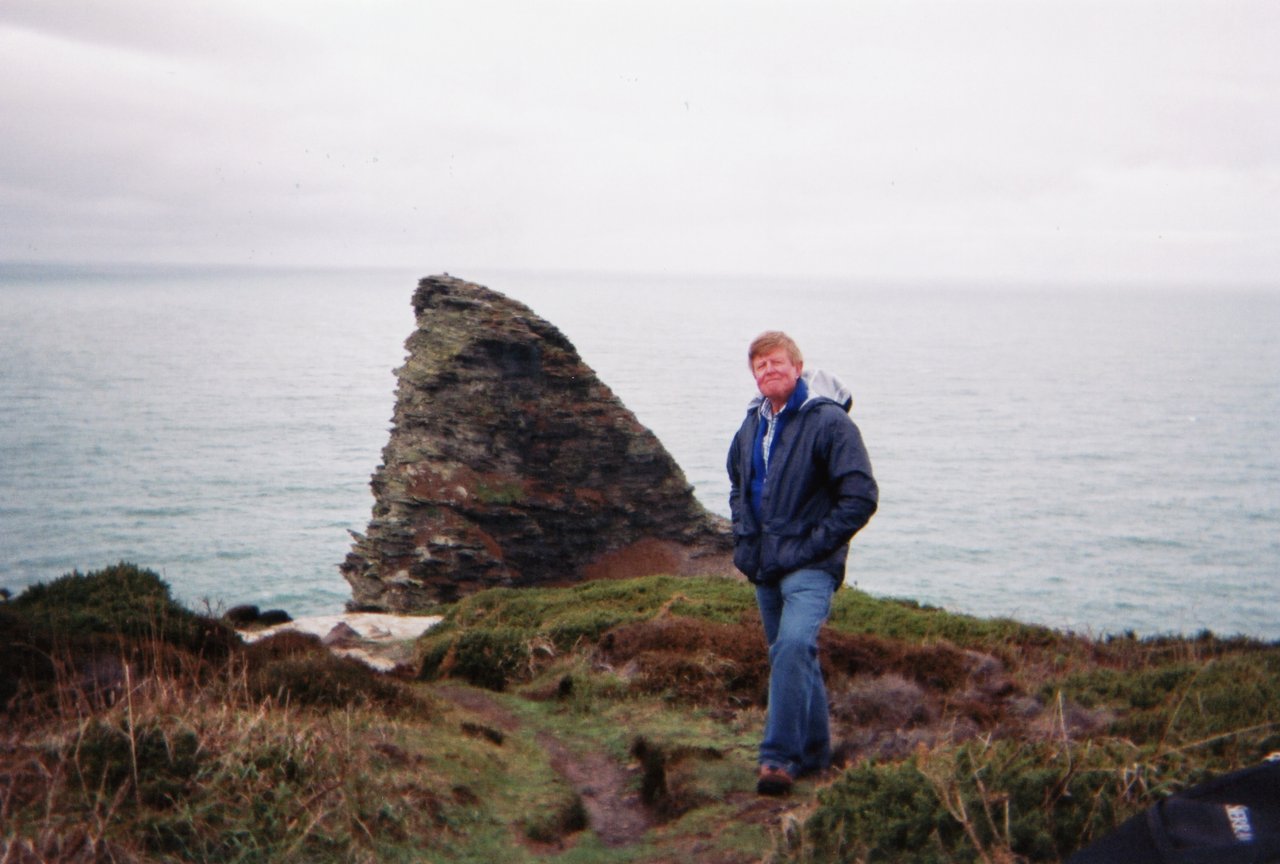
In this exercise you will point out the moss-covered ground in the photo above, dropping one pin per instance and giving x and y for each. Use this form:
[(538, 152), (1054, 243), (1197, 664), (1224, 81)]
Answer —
[(607, 722)]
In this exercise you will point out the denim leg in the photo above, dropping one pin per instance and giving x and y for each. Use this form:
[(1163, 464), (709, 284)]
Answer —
[(796, 733)]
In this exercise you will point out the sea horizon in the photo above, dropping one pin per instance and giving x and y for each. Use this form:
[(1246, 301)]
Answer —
[(1089, 459)]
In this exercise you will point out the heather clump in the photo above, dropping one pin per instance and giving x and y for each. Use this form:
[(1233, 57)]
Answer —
[(327, 682)]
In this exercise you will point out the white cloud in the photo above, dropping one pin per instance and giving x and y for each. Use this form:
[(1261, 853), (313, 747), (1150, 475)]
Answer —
[(929, 139)]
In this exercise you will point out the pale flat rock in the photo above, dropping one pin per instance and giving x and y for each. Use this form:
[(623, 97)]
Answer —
[(369, 626), (373, 661)]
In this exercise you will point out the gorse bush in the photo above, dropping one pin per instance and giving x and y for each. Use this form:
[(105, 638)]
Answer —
[(984, 801), (118, 601), (1229, 705), (489, 657), (122, 598), (83, 636)]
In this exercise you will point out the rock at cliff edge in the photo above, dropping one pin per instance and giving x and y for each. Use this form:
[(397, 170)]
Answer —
[(511, 464)]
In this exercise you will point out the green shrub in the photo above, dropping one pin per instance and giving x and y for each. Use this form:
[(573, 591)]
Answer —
[(161, 764), (885, 813), (487, 638), (1122, 689), (587, 605), (854, 611), (121, 600), (488, 657), (583, 627), (981, 801), (1231, 702), (324, 681)]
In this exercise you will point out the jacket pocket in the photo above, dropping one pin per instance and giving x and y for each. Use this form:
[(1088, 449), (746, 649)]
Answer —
[(746, 554), (783, 552)]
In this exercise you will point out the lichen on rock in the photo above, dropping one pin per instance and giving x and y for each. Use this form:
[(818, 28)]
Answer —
[(511, 464)]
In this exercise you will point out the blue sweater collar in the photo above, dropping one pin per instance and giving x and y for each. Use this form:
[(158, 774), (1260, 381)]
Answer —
[(798, 397)]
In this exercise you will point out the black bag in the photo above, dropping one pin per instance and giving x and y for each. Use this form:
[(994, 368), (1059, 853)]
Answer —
[(1232, 819)]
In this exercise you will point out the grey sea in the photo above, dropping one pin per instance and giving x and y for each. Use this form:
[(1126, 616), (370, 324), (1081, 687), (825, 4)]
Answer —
[(1093, 459)]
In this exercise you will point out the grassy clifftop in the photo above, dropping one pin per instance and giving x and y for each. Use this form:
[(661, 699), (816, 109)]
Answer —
[(607, 722)]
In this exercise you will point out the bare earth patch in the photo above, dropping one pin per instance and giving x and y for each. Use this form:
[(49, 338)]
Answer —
[(611, 797), (614, 810)]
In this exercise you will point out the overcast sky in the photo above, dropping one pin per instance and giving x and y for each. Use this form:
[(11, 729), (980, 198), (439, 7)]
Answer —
[(895, 139)]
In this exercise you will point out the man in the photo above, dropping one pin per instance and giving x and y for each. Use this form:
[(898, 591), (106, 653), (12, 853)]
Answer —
[(800, 488)]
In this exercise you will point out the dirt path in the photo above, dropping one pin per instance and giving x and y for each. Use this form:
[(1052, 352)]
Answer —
[(614, 810)]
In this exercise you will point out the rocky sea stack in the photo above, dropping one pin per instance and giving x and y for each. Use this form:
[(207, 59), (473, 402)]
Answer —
[(511, 464)]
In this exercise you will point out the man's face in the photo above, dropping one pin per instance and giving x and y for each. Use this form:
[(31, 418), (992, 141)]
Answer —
[(776, 375)]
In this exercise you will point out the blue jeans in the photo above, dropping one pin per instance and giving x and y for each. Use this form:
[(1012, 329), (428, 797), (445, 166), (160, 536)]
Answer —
[(797, 736)]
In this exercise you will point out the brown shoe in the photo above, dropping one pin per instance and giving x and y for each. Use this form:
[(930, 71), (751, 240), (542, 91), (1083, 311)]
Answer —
[(773, 781)]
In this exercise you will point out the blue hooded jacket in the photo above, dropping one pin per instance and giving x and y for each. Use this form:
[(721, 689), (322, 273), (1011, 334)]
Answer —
[(818, 492)]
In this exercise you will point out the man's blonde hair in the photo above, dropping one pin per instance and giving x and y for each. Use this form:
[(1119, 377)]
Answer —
[(771, 340)]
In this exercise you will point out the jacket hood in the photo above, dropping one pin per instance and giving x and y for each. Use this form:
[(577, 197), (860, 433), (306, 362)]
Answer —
[(822, 385), (825, 385)]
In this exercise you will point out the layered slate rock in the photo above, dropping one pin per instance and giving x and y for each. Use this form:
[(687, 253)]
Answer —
[(511, 464)]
